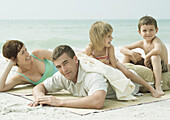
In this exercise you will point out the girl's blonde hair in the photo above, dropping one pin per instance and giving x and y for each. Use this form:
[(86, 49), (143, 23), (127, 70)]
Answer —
[(97, 34)]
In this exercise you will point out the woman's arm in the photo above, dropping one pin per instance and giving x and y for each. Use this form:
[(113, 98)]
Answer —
[(42, 54), (12, 82)]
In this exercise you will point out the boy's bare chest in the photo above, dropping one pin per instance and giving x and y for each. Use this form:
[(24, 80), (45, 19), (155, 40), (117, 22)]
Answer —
[(148, 47)]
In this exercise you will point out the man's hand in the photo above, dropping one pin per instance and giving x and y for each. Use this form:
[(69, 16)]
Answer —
[(49, 100), (46, 100), (33, 103)]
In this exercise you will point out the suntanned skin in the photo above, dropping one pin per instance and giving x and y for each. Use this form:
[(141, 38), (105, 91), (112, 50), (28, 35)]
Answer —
[(69, 69), (116, 64), (154, 49), (29, 66)]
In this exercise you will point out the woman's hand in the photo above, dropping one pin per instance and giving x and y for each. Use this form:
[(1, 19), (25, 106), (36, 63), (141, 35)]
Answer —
[(12, 62)]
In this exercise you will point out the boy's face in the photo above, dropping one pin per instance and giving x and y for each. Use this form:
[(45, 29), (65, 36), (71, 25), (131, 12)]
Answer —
[(148, 32), (108, 39)]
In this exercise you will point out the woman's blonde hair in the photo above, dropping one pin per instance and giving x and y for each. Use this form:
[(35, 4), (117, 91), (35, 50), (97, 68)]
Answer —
[(97, 34)]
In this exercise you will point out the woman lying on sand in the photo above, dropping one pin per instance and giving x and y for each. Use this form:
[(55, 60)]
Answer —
[(33, 68)]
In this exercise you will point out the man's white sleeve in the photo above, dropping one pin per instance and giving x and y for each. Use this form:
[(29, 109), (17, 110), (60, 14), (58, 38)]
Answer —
[(96, 82)]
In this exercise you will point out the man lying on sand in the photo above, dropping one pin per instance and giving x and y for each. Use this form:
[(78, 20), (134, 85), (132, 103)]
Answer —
[(93, 87)]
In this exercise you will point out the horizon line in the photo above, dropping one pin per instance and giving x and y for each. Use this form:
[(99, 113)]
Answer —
[(83, 19)]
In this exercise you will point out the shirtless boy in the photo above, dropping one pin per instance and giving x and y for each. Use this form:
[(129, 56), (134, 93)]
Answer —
[(156, 55)]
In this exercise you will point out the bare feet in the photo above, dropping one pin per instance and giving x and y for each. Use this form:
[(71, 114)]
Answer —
[(154, 93), (160, 91)]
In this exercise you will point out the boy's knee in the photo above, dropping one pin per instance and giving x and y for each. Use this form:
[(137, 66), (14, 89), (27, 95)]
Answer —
[(156, 58)]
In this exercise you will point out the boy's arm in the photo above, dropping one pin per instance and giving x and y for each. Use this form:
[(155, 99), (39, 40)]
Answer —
[(127, 50), (156, 50)]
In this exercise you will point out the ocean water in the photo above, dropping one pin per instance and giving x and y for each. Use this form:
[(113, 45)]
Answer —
[(48, 34)]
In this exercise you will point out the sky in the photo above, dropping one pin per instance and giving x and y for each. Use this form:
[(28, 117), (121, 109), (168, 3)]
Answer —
[(84, 9)]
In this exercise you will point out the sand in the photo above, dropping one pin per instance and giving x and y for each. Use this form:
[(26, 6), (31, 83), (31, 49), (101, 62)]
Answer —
[(15, 108)]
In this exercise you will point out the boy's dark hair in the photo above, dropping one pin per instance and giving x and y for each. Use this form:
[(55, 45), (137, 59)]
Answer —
[(147, 20), (11, 49), (58, 51)]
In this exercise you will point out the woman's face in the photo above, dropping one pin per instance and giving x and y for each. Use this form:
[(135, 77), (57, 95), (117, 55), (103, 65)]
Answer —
[(23, 57)]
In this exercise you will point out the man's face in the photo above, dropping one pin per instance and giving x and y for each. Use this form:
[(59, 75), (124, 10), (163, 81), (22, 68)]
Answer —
[(67, 66)]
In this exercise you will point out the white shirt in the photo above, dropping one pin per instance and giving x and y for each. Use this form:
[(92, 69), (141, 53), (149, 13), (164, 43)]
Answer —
[(87, 84)]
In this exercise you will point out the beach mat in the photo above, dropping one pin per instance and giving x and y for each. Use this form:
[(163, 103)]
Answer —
[(22, 90), (110, 104)]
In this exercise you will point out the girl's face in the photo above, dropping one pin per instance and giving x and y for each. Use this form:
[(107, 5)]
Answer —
[(108, 39), (23, 57)]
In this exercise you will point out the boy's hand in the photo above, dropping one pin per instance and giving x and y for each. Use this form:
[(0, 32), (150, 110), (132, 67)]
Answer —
[(147, 62), (136, 57)]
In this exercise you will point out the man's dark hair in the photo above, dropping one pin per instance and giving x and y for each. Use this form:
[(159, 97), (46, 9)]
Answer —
[(58, 51)]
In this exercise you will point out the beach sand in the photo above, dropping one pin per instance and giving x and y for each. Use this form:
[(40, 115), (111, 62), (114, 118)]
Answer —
[(15, 108)]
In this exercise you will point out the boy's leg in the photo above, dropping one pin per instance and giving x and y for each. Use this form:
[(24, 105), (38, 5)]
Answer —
[(157, 70)]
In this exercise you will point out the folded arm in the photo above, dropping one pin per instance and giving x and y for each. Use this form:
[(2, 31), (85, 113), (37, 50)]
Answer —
[(12, 82), (127, 50), (156, 50)]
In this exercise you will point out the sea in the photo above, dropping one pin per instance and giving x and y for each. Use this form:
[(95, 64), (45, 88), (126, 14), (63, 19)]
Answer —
[(48, 34)]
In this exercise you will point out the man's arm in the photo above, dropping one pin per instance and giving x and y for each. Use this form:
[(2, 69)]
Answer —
[(95, 101), (38, 92)]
